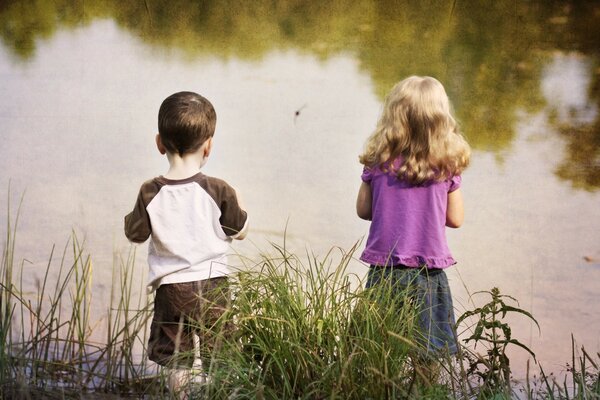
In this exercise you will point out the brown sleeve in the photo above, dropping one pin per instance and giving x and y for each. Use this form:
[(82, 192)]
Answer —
[(137, 222), (233, 218)]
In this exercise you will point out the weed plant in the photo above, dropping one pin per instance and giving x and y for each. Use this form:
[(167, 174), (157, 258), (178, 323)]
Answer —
[(492, 370)]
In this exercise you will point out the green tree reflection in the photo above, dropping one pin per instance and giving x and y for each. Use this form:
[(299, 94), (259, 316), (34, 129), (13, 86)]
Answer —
[(581, 33), (490, 54), (581, 165)]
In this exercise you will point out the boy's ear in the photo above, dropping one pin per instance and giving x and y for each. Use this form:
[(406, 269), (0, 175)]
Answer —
[(207, 147), (159, 145)]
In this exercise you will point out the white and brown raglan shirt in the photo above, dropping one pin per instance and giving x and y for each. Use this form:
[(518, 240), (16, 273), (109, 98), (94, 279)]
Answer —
[(190, 223)]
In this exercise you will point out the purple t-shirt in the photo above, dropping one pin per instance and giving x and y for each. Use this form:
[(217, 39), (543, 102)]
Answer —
[(408, 222)]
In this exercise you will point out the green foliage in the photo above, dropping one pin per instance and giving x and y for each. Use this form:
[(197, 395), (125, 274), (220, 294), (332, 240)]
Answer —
[(492, 332), (7, 306), (306, 332), (582, 381), (46, 337)]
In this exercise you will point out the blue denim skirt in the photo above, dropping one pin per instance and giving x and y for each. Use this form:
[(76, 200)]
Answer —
[(430, 293)]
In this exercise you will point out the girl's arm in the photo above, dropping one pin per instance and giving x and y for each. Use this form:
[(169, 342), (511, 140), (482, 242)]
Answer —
[(363, 202), (455, 213)]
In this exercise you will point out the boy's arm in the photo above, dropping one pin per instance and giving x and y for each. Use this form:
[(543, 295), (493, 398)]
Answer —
[(244, 231), (137, 222), (234, 218), (364, 202), (455, 212)]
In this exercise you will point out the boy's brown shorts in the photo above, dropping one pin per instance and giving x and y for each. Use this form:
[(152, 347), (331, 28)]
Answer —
[(182, 310)]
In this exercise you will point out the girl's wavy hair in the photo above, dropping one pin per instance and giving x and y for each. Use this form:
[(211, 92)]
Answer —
[(417, 125)]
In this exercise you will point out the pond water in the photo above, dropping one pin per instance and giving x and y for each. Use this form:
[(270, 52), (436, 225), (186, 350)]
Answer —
[(82, 84)]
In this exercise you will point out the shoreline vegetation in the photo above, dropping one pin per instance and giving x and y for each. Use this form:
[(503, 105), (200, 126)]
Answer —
[(304, 329)]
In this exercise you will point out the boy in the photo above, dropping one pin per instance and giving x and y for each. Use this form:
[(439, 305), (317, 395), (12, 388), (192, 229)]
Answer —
[(190, 219)]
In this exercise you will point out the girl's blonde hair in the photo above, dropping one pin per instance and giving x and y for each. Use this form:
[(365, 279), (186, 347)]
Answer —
[(417, 125)]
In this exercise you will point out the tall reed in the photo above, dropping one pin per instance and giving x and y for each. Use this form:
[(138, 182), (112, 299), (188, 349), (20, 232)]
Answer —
[(7, 306), (304, 331), (47, 339), (581, 382)]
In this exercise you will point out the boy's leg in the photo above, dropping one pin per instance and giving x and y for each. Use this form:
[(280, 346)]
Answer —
[(178, 381), (212, 329), (171, 341)]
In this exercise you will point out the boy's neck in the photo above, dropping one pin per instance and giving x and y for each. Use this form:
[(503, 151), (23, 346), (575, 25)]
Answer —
[(182, 167)]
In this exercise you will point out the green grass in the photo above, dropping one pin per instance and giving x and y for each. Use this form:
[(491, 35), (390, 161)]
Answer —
[(46, 337), (306, 332), (304, 329)]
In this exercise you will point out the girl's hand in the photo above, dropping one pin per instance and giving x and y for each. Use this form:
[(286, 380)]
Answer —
[(455, 213), (364, 201)]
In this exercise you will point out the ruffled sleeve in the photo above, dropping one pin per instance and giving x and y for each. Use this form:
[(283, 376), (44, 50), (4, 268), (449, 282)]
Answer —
[(367, 175), (455, 183)]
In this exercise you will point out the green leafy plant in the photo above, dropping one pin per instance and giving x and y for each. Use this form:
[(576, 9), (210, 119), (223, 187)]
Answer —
[(491, 331)]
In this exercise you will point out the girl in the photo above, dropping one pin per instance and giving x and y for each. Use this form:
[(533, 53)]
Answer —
[(410, 192)]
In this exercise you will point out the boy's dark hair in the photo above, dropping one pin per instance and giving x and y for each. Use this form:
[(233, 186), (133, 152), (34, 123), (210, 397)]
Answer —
[(185, 121)]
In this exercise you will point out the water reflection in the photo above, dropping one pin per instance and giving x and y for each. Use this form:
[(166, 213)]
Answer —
[(573, 107), (490, 55)]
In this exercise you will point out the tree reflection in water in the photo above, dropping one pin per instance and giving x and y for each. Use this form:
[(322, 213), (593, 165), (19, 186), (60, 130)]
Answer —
[(490, 55)]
